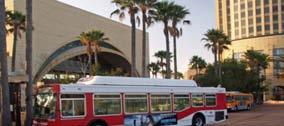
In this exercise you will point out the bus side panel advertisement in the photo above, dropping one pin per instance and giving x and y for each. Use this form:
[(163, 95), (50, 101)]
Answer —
[(151, 120)]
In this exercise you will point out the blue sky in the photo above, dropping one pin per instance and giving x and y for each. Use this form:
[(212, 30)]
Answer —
[(202, 17)]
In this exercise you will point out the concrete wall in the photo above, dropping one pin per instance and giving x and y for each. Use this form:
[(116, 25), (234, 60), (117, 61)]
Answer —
[(56, 24)]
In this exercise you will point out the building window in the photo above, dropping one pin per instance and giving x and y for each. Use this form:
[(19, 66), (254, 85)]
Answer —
[(236, 1), (275, 18), (274, 1), (250, 21), (266, 2), (250, 30), (243, 6), (107, 104), (266, 10), (236, 16), (258, 11), (258, 2), (267, 28), (72, 105), (160, 103), (250, 13), (237, 32), (135, 103), (278, 65), (275, 28), (275, 9), (244, 31), (236, 8), (258, 20), (236, 24), (181, 102), (250, 4), (258, 29), (243, 15), (267, 19), (238, 56), (243, 23)]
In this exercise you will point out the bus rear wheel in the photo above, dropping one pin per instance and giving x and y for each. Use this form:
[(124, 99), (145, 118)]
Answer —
[(198, 120), (248, 107)]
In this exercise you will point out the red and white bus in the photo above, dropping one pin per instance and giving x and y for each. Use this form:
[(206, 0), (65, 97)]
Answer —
[(118, 101)]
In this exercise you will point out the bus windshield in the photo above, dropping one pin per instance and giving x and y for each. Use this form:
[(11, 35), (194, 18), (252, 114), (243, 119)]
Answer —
[(44, 105)]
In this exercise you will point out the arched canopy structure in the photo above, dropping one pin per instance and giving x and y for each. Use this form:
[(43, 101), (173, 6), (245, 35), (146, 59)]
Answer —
[(109, 53)]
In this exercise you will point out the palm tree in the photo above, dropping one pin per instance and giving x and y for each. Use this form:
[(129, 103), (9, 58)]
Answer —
[(17, 21), (84, 38), (161, 55), (145, 6), (179, 75), (92, 40), (213, 37), (29, 70), (164, 14), (6, 115), (197, 63), (179, 13), (132, 9), (154, 68), (222, 45)]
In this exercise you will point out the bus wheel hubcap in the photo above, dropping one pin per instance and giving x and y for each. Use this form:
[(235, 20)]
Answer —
[(199, 122)]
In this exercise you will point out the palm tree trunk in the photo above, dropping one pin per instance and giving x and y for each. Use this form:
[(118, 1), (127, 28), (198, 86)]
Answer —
[(6, 115), (90, 63), (96, 57), (215, 64), (14, 49), (144, 70), (29, 49), (168, 62), (175, 57), (196, 70), (133, 45), (219, 67)]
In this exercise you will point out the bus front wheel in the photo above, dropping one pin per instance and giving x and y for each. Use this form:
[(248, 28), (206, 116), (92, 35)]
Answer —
[(198, 120)]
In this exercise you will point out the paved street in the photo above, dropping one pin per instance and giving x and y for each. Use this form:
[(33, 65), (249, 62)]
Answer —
[(264, 115)]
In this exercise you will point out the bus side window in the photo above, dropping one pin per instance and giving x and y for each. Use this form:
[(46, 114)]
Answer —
[(160, 103), (210, 99), (107, 104), (197, 100), (72, 105), (181, 101), (135, 103)]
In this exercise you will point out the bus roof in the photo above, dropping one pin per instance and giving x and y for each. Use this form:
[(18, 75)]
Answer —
[(82, 88), (132, 81), (104, 84)]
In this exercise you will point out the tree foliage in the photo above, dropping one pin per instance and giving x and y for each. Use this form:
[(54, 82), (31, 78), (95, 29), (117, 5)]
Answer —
[(238, 75)]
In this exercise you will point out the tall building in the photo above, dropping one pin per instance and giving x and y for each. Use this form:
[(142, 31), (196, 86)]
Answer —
[(257, 25)]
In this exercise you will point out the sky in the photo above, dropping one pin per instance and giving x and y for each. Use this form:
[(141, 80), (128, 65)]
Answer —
[(202, 17)]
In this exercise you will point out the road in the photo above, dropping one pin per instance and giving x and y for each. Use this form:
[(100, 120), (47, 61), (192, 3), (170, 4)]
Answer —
[(263, 115)]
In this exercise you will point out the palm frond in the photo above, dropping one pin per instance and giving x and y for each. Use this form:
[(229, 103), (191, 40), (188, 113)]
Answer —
[(115, 12)]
